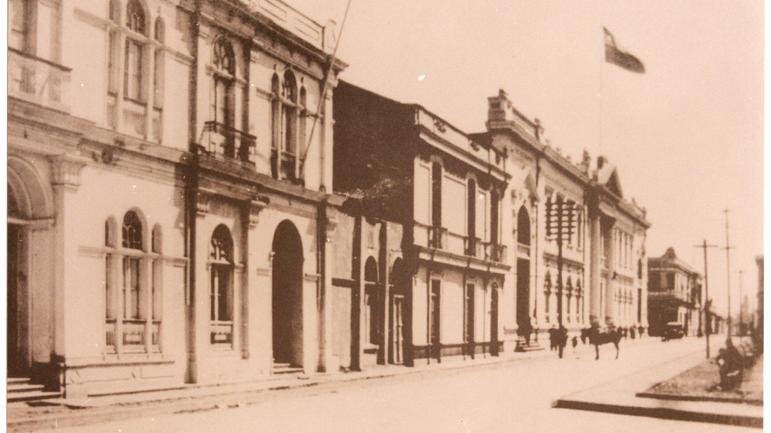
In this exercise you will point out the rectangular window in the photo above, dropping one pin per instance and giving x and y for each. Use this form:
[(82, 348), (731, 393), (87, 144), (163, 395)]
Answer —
[(112, 64), (158, 80), (482, 216), (494, 208), (468, 316), (132, 84), (453, 210), (434, 312), (436, 194), (471, 205), (131, 285), (422, 194), (108, 300)]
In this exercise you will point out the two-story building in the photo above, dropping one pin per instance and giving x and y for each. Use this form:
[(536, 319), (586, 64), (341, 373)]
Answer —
[(673, 294), (415, 169), (169, 164)]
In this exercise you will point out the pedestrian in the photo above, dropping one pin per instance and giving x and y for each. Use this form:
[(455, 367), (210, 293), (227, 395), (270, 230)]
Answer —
[(552, 338), (561, 335), (574, 343), (632, 332)]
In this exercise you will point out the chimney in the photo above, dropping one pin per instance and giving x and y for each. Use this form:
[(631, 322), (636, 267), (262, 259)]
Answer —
[(600, 162)]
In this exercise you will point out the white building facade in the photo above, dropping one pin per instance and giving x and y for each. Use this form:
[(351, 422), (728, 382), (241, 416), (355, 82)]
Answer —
[(168, 167)]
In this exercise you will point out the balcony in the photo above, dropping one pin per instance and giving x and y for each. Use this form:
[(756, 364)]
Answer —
[(38, 81), (473, 247), (437, 237), (495, 252), (224, 140)]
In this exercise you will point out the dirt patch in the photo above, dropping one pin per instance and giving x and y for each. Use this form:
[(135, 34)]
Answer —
[(701, 383)]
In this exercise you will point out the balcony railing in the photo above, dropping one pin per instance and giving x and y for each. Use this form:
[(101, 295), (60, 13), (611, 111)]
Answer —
[(38, 80), (221, 139), (134, 332), (495, 252), (437, 237), (110, 334), (473, 247)]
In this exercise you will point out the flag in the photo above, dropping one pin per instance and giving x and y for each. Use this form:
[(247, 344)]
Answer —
[(621, 58)]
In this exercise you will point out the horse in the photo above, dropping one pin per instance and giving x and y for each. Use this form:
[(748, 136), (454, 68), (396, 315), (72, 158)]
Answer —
[(598, 338)]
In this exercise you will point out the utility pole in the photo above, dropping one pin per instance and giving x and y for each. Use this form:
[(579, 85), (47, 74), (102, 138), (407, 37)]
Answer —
[(707, 302), (559, 224), (728, 248)]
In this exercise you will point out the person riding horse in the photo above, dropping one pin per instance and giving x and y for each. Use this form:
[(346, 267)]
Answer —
[(598, 338)]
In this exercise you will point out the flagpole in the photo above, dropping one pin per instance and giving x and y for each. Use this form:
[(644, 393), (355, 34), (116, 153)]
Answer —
[(602, 85)]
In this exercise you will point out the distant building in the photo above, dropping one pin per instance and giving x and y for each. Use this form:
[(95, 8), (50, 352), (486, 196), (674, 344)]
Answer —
[(603, 277), (674, 293)]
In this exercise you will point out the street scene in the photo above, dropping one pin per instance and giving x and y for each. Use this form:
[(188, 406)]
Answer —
[(342, 215)]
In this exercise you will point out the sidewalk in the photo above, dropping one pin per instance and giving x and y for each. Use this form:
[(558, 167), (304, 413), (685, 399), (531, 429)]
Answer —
[(196, 397), (619, 397)]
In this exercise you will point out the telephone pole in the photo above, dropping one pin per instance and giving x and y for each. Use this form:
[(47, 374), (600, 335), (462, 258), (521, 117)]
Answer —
[(707, 302), (728, 248)]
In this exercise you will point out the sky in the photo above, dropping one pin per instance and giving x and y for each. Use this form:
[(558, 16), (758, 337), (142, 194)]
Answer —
[(686, 136)]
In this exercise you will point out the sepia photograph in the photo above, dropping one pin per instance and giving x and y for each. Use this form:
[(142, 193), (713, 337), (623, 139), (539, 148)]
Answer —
[(355, 216)]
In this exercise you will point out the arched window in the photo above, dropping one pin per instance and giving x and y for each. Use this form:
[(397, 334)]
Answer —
[(134, 57), (135, 16), (109, 285), (132, 239), (135, 69), (523, 226), (275, 124), (302, 139), (131, 307), (133, 243), (160, 34), (289, 125), (224, 62), (221, 288)]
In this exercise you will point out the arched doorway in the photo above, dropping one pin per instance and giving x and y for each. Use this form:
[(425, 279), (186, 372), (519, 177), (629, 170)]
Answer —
[(398, 310), (287, 296), (29, 252), (523, 270)]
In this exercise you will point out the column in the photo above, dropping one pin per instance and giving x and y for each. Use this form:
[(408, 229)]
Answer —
[(594, 277), (610, 284)]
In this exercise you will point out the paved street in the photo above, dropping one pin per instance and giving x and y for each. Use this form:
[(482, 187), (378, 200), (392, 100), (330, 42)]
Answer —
[(506, 398)]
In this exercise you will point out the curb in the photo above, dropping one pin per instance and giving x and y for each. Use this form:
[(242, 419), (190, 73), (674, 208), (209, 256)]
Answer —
[(660, 396), (665, 413), (246, 397)]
